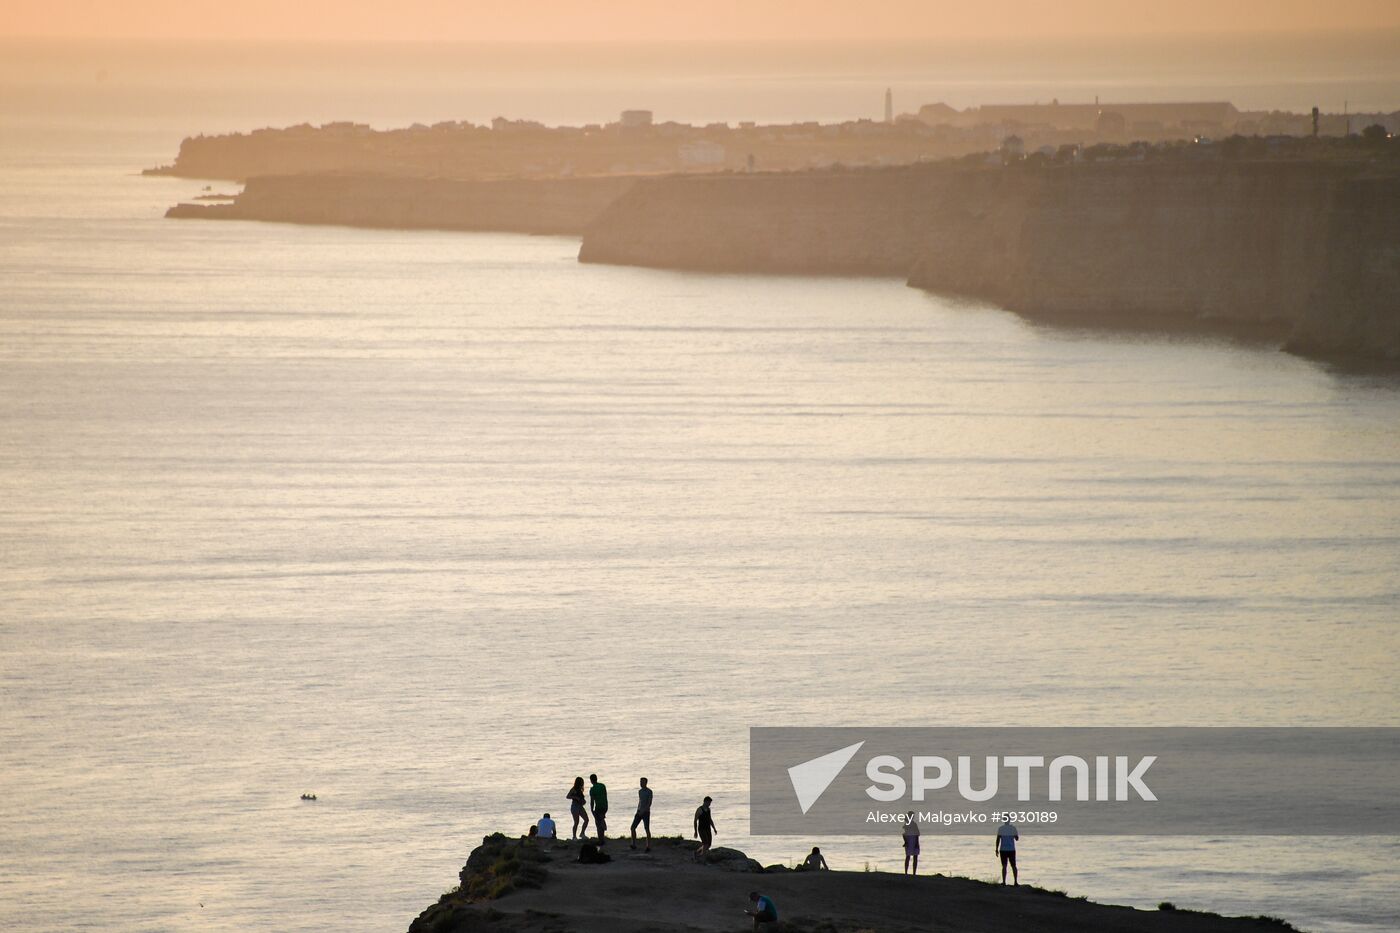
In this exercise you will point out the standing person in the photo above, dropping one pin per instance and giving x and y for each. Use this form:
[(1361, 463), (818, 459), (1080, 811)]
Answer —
[(911, 842), (577, 808), (643, 814), (704, 828), (1006, 848), (598, 799)]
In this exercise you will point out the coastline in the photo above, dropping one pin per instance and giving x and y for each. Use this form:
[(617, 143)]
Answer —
[(1305, 256), (533, 206), (1300, 256)]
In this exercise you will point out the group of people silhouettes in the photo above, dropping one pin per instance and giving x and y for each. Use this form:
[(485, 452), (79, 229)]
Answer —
[(594, 800), (1005, 847)]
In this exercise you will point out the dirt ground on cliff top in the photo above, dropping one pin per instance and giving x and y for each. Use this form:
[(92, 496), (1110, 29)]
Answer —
[(666, 890)]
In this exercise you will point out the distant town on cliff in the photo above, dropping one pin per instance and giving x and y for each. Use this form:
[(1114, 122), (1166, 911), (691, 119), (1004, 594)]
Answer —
[(637, 144)]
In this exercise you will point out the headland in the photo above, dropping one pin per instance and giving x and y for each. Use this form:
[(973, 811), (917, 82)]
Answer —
[(517, 886), (1297, 253), (1293, 241), (559, 206)]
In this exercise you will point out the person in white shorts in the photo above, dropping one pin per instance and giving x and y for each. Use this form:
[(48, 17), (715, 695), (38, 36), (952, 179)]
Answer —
[(1006, 848), (911, 842)]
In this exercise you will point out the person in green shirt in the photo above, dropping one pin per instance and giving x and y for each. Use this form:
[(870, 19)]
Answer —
[(763, 909), (598, 800)]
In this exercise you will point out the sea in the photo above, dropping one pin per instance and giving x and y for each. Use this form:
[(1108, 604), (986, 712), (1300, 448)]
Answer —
[(426, 524)]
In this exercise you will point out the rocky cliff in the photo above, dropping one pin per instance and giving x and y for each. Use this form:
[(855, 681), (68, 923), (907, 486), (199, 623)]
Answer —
[(1305, 254), (1300, 252), (854, 223), (556, 206), (1355, 307), (515, 886)]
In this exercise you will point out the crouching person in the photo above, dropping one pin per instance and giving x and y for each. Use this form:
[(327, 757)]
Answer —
[(763, 909)]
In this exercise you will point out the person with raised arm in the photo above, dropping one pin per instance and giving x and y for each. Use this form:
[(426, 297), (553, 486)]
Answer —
[(577, 807)]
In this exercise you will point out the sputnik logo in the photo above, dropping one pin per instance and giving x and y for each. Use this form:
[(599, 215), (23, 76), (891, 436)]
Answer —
[(811, 778)]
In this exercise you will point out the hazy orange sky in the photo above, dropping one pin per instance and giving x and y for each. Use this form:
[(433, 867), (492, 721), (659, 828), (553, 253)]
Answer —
[(603, 20)]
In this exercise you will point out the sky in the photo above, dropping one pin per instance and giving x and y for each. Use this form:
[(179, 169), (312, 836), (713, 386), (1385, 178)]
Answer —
[(665, 20)]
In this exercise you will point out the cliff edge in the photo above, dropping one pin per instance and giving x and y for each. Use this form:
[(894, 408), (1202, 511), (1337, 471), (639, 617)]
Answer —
[(1304, 254), (513, 885)]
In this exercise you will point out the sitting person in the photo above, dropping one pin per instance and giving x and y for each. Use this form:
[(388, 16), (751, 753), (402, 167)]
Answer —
[(814, 862), (763, 910), (545, 831)]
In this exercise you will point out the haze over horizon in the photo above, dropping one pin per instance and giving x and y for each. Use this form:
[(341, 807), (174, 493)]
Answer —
[(639, 20), (182, 88)]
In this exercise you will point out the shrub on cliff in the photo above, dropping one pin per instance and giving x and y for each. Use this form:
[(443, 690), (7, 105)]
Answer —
[(501, 865)]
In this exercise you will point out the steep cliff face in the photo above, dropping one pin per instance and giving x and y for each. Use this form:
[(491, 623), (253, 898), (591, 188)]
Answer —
[(867, 223), (1279, 248), (1355, 309), (561, 206), (1244, 244), (1306, 254)]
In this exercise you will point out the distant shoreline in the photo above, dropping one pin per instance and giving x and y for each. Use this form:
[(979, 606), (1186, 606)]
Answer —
[(535, 206), (1299, 255)]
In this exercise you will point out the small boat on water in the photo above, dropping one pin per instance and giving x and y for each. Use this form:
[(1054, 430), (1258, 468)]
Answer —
[(308, 796)]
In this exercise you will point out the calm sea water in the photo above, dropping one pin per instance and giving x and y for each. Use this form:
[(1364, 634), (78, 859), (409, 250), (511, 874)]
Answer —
[(429, 523)]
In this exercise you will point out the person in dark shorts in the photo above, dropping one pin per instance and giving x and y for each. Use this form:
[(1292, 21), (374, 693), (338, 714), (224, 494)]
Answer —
[(911, 842), (643, 816), (1006, 848), (704, 828), (598, 799), (763, 909), (577, 807)]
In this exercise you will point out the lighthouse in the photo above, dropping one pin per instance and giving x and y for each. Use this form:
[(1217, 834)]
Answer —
[(889, 105)]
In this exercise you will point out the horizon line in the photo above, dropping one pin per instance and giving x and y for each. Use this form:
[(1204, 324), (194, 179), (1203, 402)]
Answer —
[(1378, 33)]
